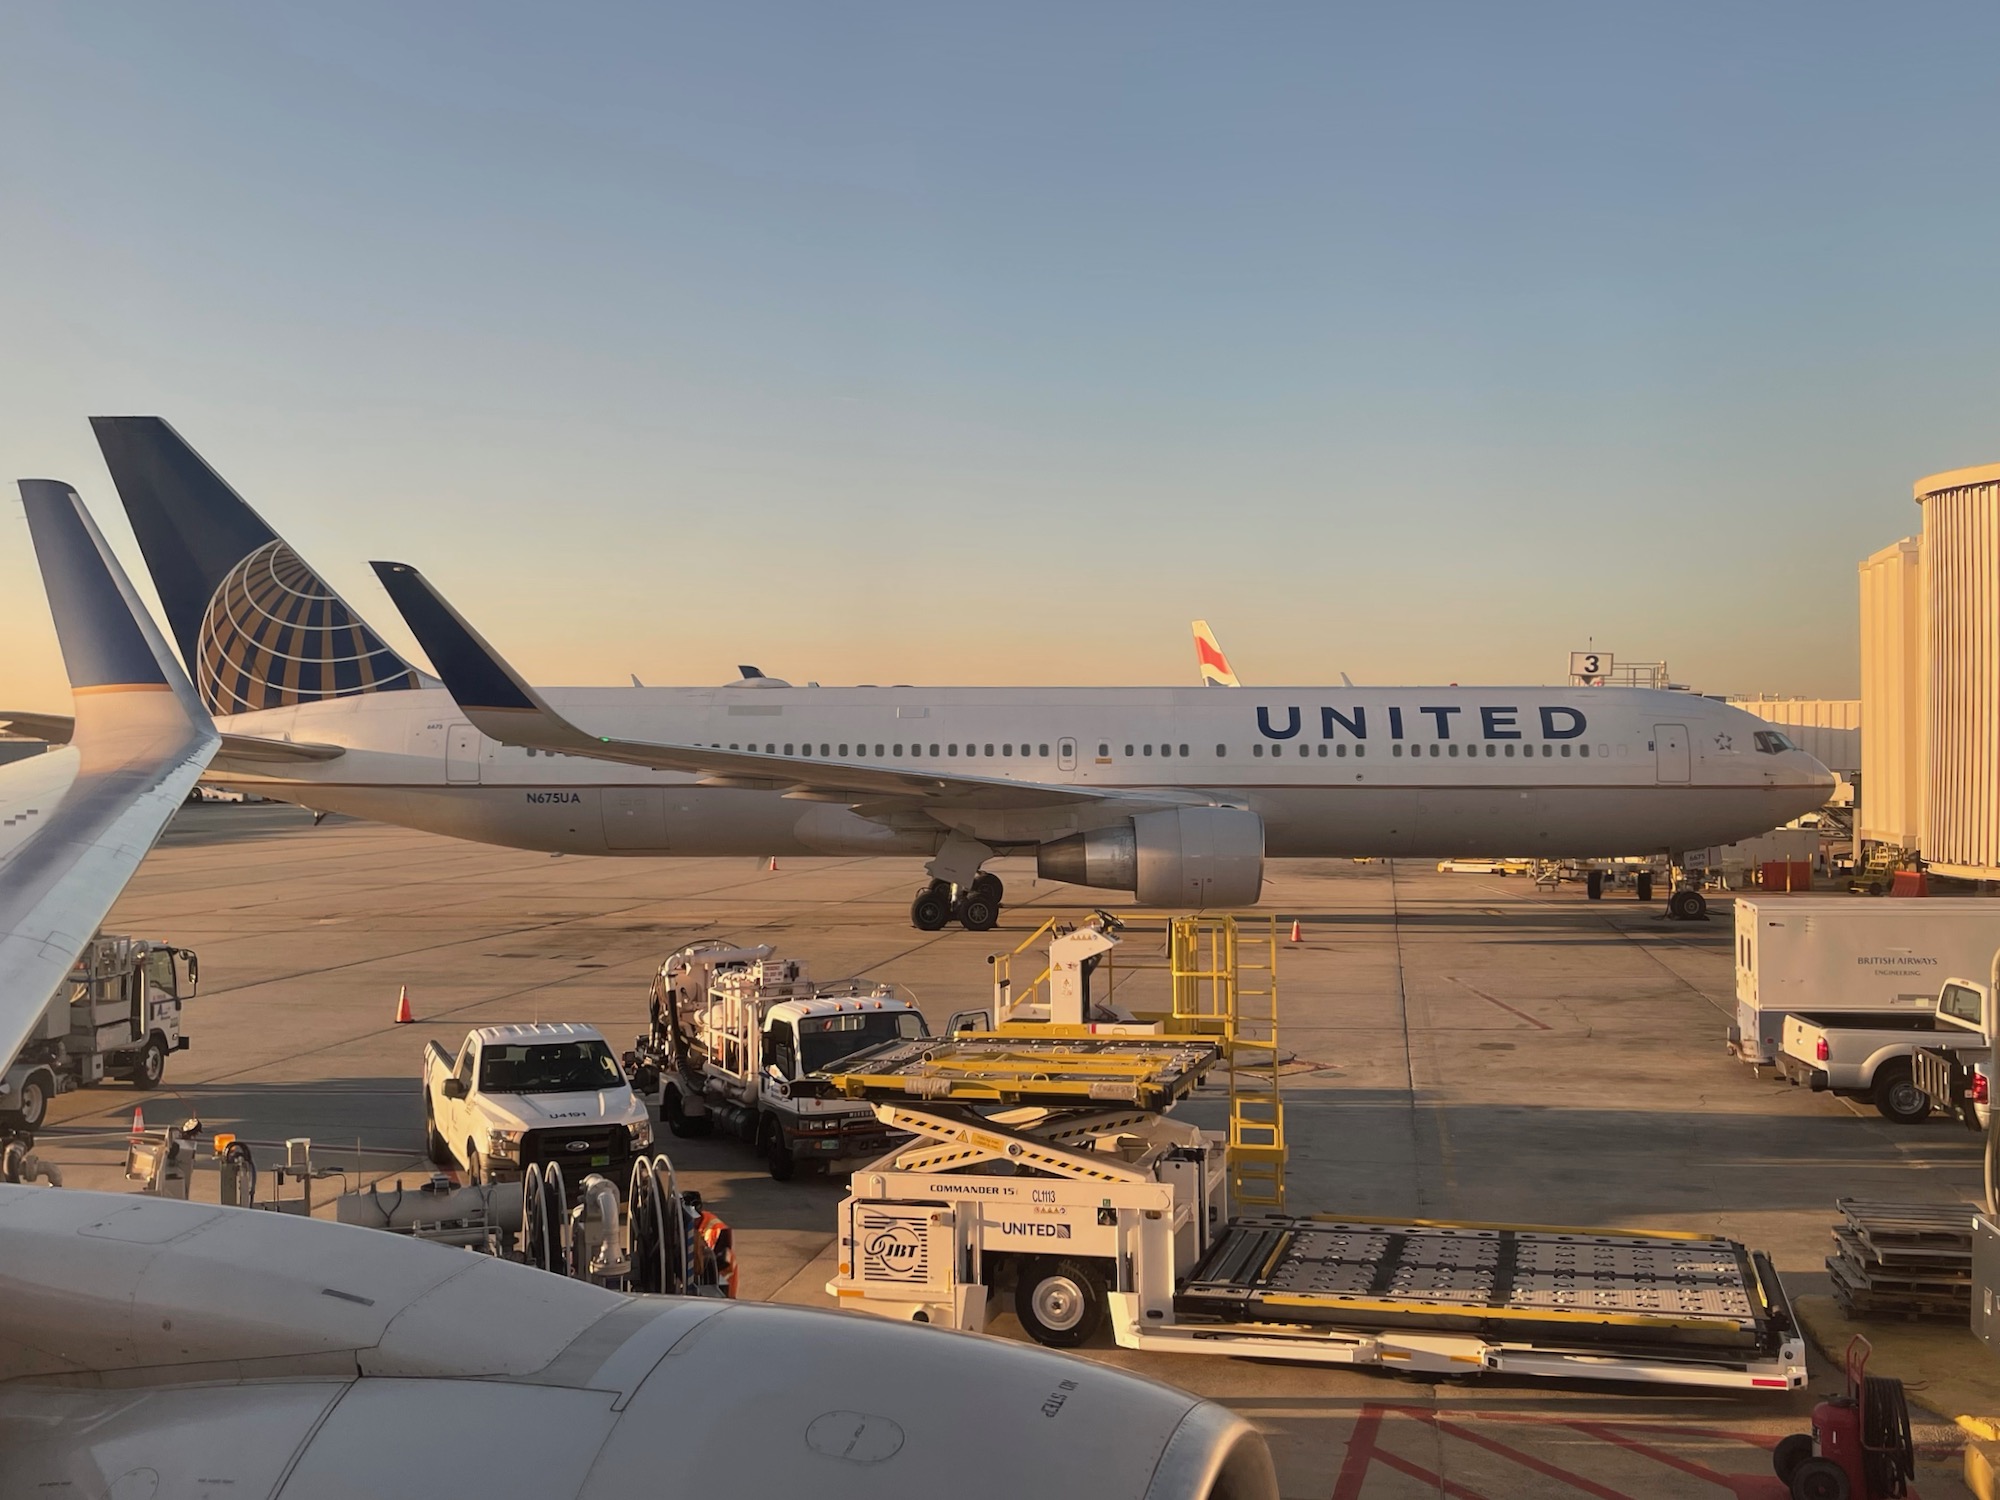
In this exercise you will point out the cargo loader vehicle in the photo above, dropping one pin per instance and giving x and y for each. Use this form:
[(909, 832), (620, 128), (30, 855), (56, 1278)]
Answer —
[(1049, 1167), (1045, 1167), (734, 1030)]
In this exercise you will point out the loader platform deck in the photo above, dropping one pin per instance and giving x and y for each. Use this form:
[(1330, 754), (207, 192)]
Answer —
[(1058, 1072), (1622, 1287)]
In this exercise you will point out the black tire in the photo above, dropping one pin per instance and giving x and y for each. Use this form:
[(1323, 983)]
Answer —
[(434, 1146), (778, 1156), (1593, 885), (34, 1102), (990, 887), (977, 914), (1820, 1479), (152, 1065), (1897, 1096), (931, 910), (475, 1166), (1791, 1451), (1642, 885), (673, 1110), (1060, 1301)]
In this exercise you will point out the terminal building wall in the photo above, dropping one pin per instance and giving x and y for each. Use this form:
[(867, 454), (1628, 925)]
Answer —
[(1895, 681), (1961, 564)]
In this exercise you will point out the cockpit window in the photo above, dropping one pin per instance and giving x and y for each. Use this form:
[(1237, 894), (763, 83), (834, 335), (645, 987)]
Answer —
[(1770, 742)]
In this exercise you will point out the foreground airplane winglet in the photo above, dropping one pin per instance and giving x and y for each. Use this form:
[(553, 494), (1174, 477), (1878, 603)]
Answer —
[(501, 703), (75, 823)]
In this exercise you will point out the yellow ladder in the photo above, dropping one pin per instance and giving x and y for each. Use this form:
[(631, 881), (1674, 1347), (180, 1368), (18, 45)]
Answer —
[(1225, 984)]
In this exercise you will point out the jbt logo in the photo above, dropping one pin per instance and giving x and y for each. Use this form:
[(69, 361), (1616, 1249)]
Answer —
[(895, 1252)]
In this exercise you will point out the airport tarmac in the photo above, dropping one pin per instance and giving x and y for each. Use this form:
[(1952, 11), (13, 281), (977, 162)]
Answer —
[(1464, 1047)]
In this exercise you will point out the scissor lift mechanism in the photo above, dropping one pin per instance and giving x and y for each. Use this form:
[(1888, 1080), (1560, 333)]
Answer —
[(1015, 1152)]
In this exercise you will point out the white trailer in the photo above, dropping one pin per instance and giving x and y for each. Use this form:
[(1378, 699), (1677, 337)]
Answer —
[(1842, 955), (1047, 1163)]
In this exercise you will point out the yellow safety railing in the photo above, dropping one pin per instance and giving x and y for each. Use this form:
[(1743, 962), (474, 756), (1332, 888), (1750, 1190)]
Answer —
[(1221, 981)]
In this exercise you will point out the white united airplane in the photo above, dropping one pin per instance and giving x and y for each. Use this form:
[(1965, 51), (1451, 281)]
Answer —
[(1178, 795), (150, 1347)]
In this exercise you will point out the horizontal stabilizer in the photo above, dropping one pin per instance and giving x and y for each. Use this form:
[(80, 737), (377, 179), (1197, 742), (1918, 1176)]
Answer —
[(57, 729)]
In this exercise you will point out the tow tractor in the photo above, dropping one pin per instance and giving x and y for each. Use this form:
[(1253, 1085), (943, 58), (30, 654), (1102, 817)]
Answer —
[(1045, 1155)]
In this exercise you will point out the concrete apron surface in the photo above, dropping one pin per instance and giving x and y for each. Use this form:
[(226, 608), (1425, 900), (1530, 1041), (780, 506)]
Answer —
[(1462, 1046)]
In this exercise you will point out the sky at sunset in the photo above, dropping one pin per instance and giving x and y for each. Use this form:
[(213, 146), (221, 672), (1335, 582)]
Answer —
[(991, 344)]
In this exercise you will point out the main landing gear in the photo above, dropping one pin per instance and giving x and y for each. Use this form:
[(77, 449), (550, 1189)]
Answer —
[(976, 907)]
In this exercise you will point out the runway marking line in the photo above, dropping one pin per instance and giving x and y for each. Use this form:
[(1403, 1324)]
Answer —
[(1365, 1449)]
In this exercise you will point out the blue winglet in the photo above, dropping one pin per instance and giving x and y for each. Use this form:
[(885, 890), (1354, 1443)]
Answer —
[(108, 639), (472, 671)]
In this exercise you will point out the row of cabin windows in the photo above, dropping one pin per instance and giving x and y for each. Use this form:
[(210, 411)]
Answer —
[(886, 752), (1435, 750)]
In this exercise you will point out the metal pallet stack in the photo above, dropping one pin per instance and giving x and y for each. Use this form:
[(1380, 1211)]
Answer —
[(1908, 1260)]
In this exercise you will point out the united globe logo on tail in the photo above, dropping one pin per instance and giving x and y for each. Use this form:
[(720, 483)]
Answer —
[(274, 634)]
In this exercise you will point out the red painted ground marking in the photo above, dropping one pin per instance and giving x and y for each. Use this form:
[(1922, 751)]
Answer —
[(1526, 1460), (1743, 1486), (1364, 1449), (1360, 1445), (1422, 1475), (1538, 1025)]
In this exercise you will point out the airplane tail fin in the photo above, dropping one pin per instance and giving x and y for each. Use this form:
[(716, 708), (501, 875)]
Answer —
[(1208, 658), (257, 627)]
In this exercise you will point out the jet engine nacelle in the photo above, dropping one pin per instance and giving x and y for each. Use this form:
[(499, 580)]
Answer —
[(154, 1347), (1183, 856)]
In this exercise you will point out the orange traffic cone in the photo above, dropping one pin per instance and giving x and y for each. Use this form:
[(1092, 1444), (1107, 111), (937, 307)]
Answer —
[(773, 865), (1297, 936), (403, 1016), (138, 1121)]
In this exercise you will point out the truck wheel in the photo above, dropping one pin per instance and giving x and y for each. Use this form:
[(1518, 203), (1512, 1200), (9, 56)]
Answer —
[(673, 1109), (777, 1155), (151, 1067), (475, 1166), (434, 1146), (1060, 1301), (1897, 1096), (34, 1102)]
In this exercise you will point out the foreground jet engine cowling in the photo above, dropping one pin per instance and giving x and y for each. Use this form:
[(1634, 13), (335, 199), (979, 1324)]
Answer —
[(153, 1347)]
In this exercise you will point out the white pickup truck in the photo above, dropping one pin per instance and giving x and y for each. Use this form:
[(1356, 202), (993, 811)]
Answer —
[(1875, 1056), (517, 1096)]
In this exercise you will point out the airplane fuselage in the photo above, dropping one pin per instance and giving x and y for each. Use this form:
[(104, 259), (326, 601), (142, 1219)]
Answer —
[(1431, 772)]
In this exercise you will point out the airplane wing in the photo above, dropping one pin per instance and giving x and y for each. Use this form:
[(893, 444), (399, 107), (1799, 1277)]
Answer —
[(57, 728), (75, 823), (499, 701), (1209, 660)]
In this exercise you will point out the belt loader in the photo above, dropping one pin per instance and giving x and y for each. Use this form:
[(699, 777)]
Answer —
[(1051, 1162)]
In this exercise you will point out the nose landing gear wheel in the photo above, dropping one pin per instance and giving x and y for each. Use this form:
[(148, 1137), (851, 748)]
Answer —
[(1686, 905)]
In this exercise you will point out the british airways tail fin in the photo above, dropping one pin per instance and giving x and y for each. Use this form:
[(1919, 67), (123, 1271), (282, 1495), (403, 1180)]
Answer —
[(257, 627), (1209, 660)]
